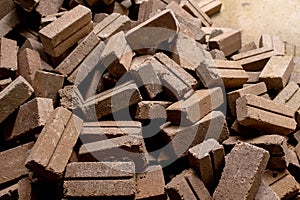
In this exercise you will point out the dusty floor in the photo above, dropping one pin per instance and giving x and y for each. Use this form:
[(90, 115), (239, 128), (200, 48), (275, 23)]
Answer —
[(255, 17)]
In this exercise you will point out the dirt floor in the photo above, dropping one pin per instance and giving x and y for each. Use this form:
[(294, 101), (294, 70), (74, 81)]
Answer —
[(255, 17)]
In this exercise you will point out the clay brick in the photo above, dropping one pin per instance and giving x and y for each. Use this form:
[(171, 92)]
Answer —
[(96, 131), (266, 40), (243, 159), (27, 5), (277, 72), (70, 97), (293, 163), (35, 45), (108, 101), (258, 89), (47, 84), (46, 7), (191, 110), (266, 115), (208, 160), (271, 176), (4, 83), (253, 77), (228, 42), (152, 110), (31, 116), (217, 54), (10, 21), (182, 138), (52, 150), (72, 61), (265, 193), (290, 95), (10, 192), (149, 8), (8, 52), (29, 63), (187, 186), (153, 31), (248, 47), (100, 179), (25, 190), (14, 169), (210, 7), (286, 187), (278, 46), (6, 7), (151, 183), (13, 96), (119, 8), (111, 25)]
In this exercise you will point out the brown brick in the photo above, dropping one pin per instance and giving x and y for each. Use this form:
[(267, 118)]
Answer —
[(293, 163), (10, 21), (217, 54), (253, 77), (290, 95), (277, 72), (47, 84), (100, 179), (243, 159), (72, 61), (258, 89), (286, 187), (6, 7), (187, 186), (266, 115), (29, 63), (149, 8), (8, 60), (25, 190), (4, 83), (45, 7), (128, 92), (151, 183), (27, 5), (119, 8), (13, 96), (15, 168), (31, 116), (36, 46), (10, 192), (278, 46), (265, 193), (70, 97), (210, 7), (53, 148), (152, 110), (191, 110), (248, 47), (228, 42)]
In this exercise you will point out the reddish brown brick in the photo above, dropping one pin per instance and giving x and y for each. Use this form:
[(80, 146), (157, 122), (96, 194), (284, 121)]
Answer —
[(10, 192), (152, 110), (8, 52), (248, 47), (210, 7)]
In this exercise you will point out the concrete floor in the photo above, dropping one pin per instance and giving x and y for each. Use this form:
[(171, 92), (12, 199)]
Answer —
[(256, 17)]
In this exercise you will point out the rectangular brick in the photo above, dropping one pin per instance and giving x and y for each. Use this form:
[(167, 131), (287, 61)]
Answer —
[(237, 165), (27, 5), (286, 187), (265, 193), (15, 168), (10, 192), (100, 179), (10, 21), (8, 52), (25, 190), (248, 47), (191, 110), (277, 72), (152, 110), (210, 7), (46, 7), (266, 115), (53, 148), (13, 96), (4, 83), (295, 75), (149, 8), (253, 77), (289, 95), (70, 97), (266, 40)]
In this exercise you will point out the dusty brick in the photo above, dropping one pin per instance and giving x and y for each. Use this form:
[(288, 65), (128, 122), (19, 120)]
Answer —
[(10, 192), (265, 193), (277, 72), (25, 190), (149, 8), (286, 187), (27, 5), (271, 176), (10, 21), (70, 97), (45, 7), (13, 96), (119, 8), (253, 77), (8, 52), (15, 168), (290, 95), (242, 172), (191, 110), (266, 115), (152, 110), (248, 47), (53, 148), (217, 54), (210, 7)]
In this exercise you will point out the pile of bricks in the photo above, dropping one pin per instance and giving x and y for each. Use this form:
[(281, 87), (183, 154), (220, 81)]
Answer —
[(138, 99)]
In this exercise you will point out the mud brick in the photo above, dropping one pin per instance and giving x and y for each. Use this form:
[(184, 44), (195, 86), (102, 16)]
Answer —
[(53, 148), (96, 131), (210, 7), (115, 49), (98, 17), (48, 7), (100, 179), (151, 183), (253, 77), (208, 160), (111, 25), (8, 60), (143, 71), (72, 61), (148, 8), (243, 159), (91, 61), (109, 102), (10, 192), (4, 83), (266, 115), (182, 138), (258, 89), (36, 46), (14, 169), (124, 148), (152, 110), (191, 110), (228, 42), (153, 31), (286, 187), (277, 72), (271, 176), (29, 62), (278, 45), (265, 193), (70, 97), (31, 116), (25, 190), (248, 47), (290, 95), (13, 96), (27, 5), (47, 84), (290, 49), (10, 21), (187, 185)]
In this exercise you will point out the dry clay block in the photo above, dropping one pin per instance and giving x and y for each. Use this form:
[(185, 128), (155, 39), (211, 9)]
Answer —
[(53, 148), (100, 179), (8, 53), (242, 173), (13, 96), (152, 110), (265, 115), (290, 95)]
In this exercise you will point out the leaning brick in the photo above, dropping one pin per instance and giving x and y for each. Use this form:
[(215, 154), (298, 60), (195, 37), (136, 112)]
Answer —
[(289, 95), (8, 59)]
